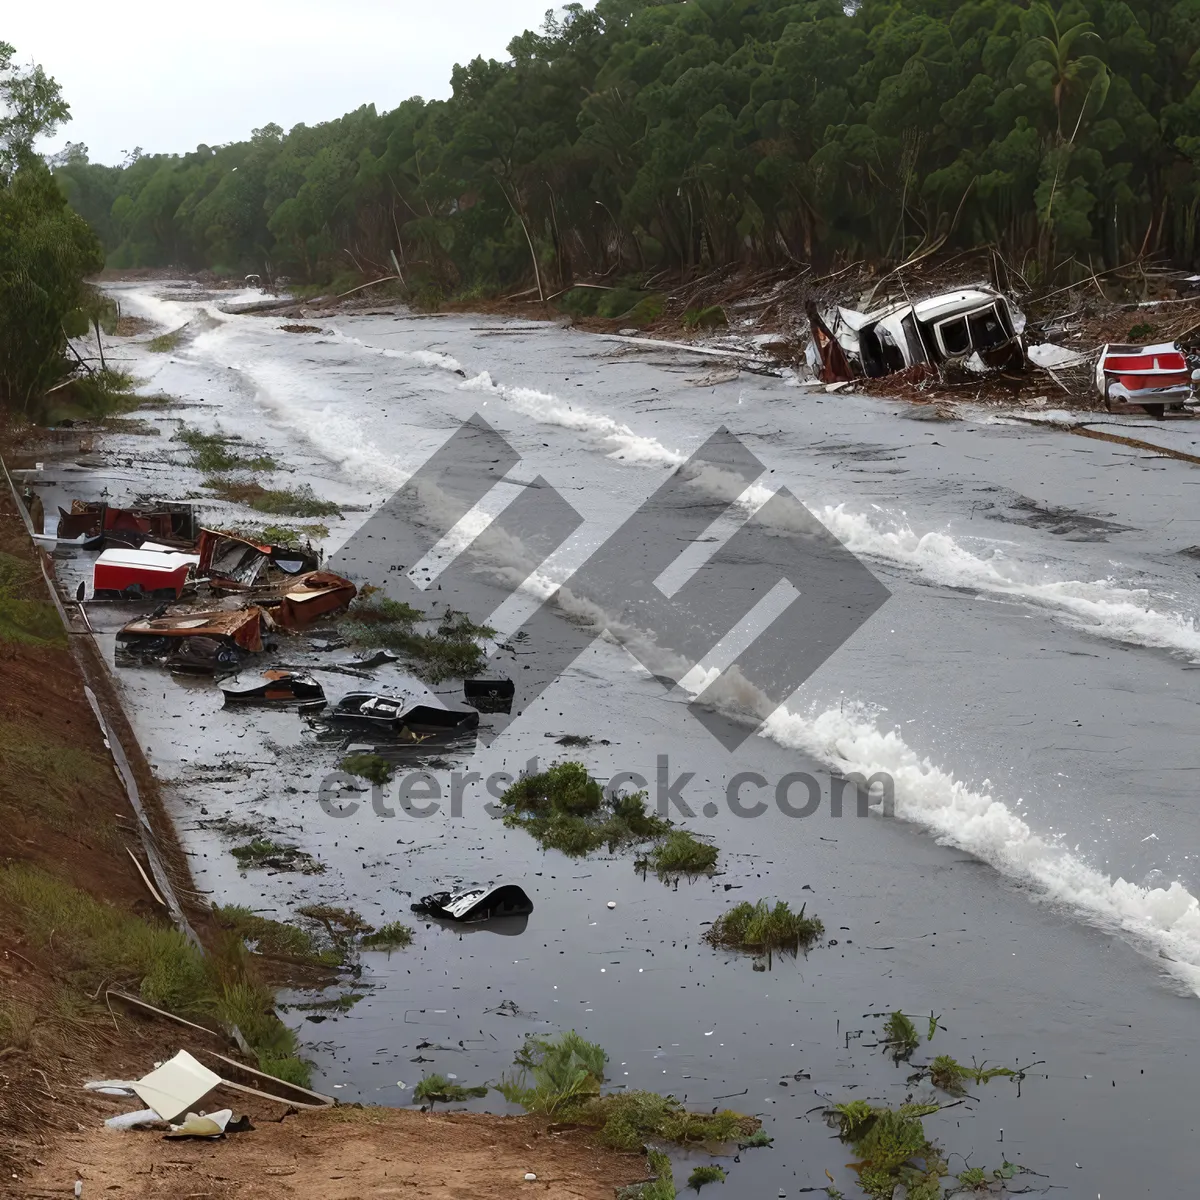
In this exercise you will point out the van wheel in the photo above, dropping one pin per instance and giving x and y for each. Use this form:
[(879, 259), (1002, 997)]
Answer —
[(1157, 411)]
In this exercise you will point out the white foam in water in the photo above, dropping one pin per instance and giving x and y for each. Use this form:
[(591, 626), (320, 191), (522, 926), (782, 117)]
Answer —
[(550, 410), (846, 740)]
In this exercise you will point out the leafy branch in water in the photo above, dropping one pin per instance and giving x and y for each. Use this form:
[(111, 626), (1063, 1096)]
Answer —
[(901, 1036), (440, 1089)]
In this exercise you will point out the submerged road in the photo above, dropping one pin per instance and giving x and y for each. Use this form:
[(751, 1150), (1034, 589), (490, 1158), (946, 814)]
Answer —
[(1030, 685)]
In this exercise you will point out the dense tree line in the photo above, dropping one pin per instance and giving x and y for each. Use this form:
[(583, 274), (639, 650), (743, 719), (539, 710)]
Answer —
[(46, 249), (639, 135)]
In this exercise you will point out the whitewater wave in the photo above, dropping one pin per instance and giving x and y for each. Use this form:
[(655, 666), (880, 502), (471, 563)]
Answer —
[(1165, 920)]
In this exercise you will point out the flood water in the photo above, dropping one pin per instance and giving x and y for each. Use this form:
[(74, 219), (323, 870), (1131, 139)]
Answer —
[(1030, 684)]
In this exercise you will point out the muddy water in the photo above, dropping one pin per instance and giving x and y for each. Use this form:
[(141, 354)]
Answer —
[(1027, 684)]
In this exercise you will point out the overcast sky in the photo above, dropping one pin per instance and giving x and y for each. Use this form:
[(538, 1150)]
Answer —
[(167, 76)]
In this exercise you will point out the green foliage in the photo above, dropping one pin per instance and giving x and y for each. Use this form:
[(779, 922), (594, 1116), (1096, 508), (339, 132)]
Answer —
[(446, 1091), (452, 651), (262, 852), (763, 929), (270, 937), (284, 502), (712, 317), (26, 617), (394, 936), (758, 1140), (372, 767), (640, 137), (947, 1073), (164, 343), (210, 452), (706, 1174), (893, 1149), (96, 943), (901, 1036), (680, 853), (554, 1073), (662, 1187), (565, 809)]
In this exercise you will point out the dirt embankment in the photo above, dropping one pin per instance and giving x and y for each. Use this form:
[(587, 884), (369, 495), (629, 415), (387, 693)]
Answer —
[(71, 897)]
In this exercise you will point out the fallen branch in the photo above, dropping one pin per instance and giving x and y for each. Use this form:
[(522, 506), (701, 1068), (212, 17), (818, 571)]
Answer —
[(373, 282)]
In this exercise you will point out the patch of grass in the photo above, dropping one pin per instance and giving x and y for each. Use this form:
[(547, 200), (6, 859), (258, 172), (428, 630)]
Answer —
[(893, 1149), (57, 780), (96, 943), (1141, 331), (554, 1073), (99, 394), (437, 1088), (707, 1174), (711, 317), (389, 937), (763, 929), (946, 1073), (628, 1119), (661, 1187), (647, 310), (284, 502), (565, 809), (262, 852), (973, 1179), (680, 853), (164, 343), (17, 1023), (758, 1140), (281, 535), (274, 937), (25, 617), (372, 767), (211, 452), (901, 1036)]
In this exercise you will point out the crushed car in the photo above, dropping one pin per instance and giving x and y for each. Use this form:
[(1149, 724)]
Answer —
[(397, 716), (277, 688), (977, 327), (234, 564), (202, 641)]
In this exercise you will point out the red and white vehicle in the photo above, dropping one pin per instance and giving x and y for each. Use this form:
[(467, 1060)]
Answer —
[(1153, 378), (154, 574)]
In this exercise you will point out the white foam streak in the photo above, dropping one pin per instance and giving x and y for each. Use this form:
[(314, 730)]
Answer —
[(847, 740), (550, 410)]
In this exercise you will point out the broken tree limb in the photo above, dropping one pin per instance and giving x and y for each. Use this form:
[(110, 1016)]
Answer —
[(145, 878), (372, 283)]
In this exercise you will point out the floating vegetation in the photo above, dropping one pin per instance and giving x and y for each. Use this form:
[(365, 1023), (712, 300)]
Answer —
[(445, 1091), (901, 1036), (286, 502), (581, 740), (211, 452), (341, 925), (946, 1073), (758, 1140), (707, 1174), (565, 809), (893, 1149), (680, 853), (562, 1077), (452, 652), (281, 535), (262, 852), (764, 930), (298, 328), (372, 767), (389, 937)]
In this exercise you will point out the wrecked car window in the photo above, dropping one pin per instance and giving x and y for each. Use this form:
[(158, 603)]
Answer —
[(987, 330), (954, 336)]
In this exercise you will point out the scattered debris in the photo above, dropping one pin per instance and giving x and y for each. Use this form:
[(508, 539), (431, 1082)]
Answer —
[(154, 574), (395, 716), (95, 523), (489, 695), (476, 904), (262, 852), (233, 564), (176, 1086), (200, 640), (279, 688), (201, 1125), (901, 1036)]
